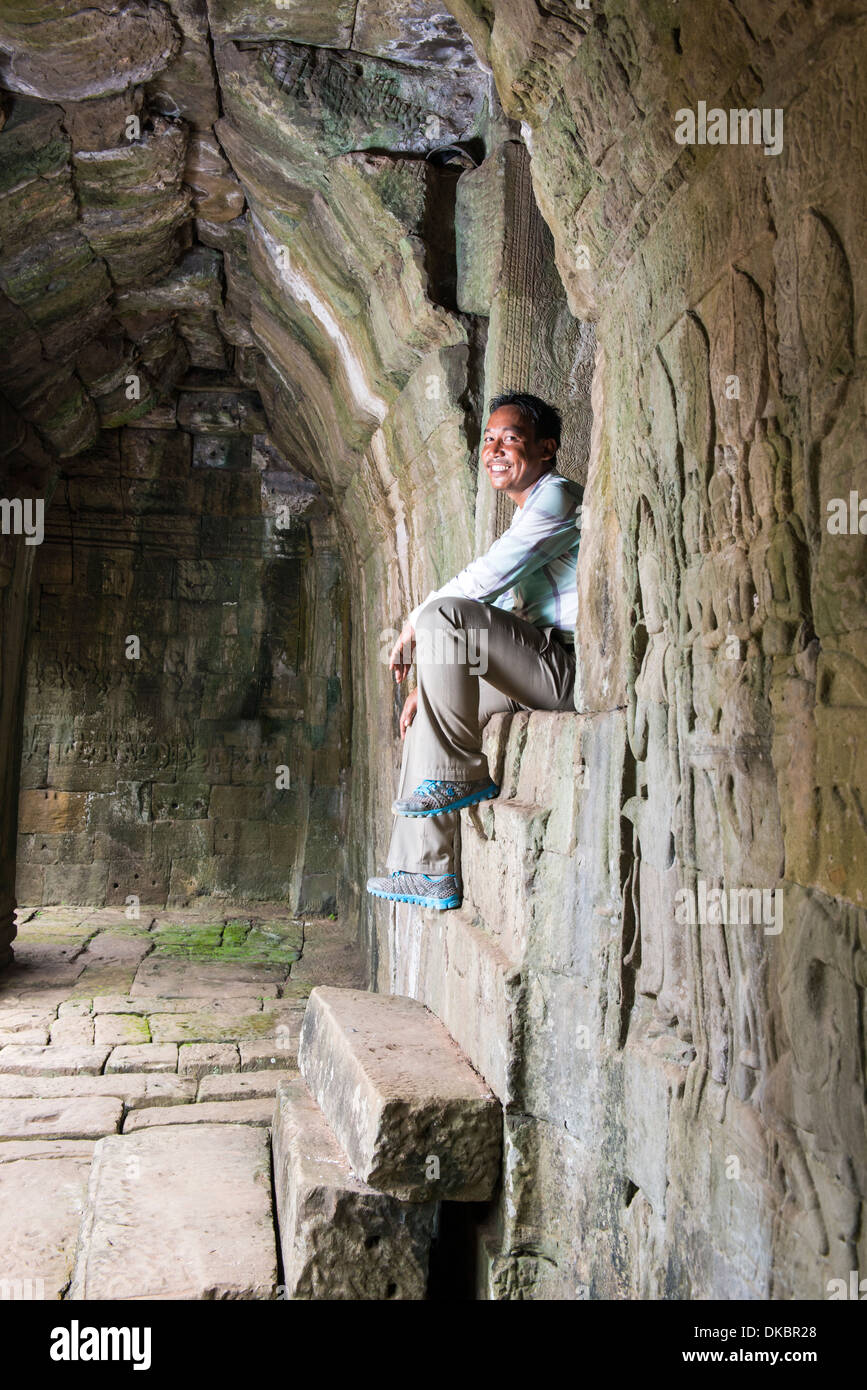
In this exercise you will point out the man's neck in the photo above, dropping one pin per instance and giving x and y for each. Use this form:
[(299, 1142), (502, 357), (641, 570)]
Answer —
[(519, 498)]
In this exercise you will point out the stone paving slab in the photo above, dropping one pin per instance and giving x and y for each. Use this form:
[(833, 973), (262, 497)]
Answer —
[(14, 1149), (208, 1027), (53, 1060), (142, 1057), (340, 1238), (73, 1030), (157, 1004), (199, 1059), (170, 976), (268, 1055), (75, 1008), (251, 1085), (113, 1030), (42, 1194), (209, 1186), (63, 1118), (397, 1091), (103, 977), (21, 1036), (239, 1112), (133, 1088), (329, 956)]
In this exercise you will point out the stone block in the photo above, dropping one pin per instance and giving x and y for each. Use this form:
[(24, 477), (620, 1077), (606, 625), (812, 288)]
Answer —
[(270, 1054), (43, 1196), (134, 1088), (51, 811), (447, 962), (112, 1030), (61, 1118), (254, 1085), (210, 1185), (53, 1061), (256, 1111), (340, 1238), (143, 1057), (410, 1112), (76, 1030), (201, 1059)]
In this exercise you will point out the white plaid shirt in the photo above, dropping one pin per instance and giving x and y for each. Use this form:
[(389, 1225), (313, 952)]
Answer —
[(530, 569)]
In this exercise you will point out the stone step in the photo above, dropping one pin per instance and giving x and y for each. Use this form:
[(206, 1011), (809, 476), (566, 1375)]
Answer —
[(254, 1085), (48, 1182), (410, 1113), (255, 1111), (63, 1118), (459, 972), (133, 1088), (340, 1238), (518, 851), (178, 1212), (53, 1061)]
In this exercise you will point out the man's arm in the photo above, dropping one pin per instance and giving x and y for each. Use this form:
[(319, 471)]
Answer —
[(531, 542)]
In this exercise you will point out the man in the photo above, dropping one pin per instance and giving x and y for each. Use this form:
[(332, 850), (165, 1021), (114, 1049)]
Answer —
[(497, 637)]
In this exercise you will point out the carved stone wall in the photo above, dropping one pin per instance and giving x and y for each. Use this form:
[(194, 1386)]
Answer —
[(711, 1114), (185, 710)]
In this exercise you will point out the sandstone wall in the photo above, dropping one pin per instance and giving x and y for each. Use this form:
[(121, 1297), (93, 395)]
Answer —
[(697, 1090), (184, 707)]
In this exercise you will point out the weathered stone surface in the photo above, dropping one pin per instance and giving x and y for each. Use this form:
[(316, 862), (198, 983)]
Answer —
[(63, 55), (114, 1029), (255, 1111), (132, 1088), (340, 1238), (398, 1093), (271, 1054), (200, 1059), (53, 1060), (209, 1183), (61, 1118), (143, 1057), (43, 1196), (237, 1086)]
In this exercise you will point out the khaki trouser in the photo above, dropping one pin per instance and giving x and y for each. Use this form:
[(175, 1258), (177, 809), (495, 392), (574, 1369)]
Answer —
[(472, 661)]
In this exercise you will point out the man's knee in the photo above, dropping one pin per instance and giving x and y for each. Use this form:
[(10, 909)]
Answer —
[(451, 612)]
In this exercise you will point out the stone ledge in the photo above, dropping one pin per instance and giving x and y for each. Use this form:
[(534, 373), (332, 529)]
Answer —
[(340, 1238), (447, 962), (413, 1117)]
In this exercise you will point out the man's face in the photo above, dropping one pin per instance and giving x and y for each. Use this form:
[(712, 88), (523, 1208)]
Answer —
[(512, 455)]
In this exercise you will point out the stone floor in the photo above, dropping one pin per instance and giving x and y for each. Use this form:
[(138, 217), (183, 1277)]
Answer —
[(170, 1033)]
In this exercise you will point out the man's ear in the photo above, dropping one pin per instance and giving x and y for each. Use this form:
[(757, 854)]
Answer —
[(550, 454)]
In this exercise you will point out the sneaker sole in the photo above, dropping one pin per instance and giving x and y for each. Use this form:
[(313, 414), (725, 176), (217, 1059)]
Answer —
[(487, 795), (410, 898)]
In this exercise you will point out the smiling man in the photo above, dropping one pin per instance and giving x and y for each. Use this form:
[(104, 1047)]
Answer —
[(497, 637)]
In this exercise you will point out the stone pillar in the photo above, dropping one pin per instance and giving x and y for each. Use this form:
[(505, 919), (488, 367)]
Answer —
[(506, 271), (24, 470)]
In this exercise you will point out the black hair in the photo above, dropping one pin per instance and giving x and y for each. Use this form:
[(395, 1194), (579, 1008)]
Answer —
[(546, 418)]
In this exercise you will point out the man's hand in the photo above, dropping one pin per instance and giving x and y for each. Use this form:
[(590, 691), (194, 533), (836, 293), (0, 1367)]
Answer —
[(400, 658), (407, 714)]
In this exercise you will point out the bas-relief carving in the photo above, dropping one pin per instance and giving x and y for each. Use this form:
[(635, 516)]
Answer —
[(728, 660)]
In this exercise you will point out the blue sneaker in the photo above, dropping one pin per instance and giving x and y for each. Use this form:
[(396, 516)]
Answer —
[(433, 798), (428, 890)]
